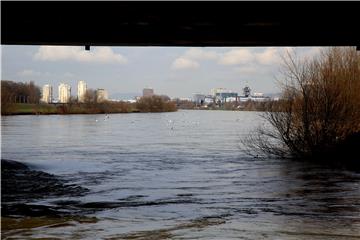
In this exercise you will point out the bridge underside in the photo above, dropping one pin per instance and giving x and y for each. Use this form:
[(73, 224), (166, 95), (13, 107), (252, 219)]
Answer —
[(180, 24)]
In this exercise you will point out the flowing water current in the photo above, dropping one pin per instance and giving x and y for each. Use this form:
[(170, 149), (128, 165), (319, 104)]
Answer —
[(181, 175)]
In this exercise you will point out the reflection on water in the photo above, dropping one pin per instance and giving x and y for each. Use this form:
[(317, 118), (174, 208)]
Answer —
[(176, 175)]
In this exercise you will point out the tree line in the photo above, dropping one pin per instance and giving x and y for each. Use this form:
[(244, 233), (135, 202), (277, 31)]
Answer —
[(24, 98), (18, 92)]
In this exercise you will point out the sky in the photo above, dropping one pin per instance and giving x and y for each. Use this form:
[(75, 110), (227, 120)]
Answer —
[(174, 71)]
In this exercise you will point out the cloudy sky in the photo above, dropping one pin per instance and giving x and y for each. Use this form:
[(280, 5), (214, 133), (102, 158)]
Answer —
[(175, 71)]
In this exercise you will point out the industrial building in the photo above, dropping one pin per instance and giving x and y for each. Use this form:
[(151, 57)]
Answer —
[(223, 95)]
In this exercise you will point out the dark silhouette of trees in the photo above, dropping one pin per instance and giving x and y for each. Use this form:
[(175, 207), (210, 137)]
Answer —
[(33, 93), (155, 104), (7, 96), (165, 98), (319, 109), (90, 105), (90, 96), (18, 92)]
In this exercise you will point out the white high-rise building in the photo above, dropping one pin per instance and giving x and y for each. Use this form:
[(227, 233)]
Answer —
[(81, 91), (47, 94), (101, 95), (64, 93)]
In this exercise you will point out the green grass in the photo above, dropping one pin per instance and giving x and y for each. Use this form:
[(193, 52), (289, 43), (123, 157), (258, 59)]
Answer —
[(23, 108)]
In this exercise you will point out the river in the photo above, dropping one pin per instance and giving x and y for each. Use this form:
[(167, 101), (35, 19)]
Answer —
[(179, 175)]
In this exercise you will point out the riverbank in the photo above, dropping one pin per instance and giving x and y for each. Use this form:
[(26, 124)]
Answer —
[(90, 108), (46, 109), (229, 106)]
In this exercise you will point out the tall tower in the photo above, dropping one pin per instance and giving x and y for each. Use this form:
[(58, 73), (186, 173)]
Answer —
[(64, 93), (47, 94), (247, 91), (82, 87)]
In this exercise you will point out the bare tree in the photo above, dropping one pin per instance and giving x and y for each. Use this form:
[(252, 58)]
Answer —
[(90, 96), (7, 97), (320, 106), (17, 92), (34, 93), (155, 104)]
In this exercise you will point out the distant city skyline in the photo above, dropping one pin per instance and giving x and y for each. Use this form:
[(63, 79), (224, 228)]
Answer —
[(174, 71), (65, 95)]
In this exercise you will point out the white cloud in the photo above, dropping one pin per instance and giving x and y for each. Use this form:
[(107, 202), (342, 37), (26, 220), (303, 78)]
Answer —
[(61, 53), (236, 56), (190, 59), (245, 60), (32, 73), (26, 73), (184, 63), (270, 56), (200, 54)]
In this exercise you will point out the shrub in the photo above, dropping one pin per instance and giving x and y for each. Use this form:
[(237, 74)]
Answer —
[(320, 106), (155, 104)]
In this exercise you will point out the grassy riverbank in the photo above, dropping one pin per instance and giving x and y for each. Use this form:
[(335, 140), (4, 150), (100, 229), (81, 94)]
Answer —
[(44, 109), (151, 104), (29, 109)]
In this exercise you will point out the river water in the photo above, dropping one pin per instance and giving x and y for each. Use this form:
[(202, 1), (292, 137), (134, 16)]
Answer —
[(180, 175)]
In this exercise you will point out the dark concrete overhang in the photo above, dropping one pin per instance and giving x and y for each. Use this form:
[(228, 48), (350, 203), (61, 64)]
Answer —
[(180, 23)]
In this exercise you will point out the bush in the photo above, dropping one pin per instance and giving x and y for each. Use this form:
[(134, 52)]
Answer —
[(319, 110), (17, 92), (155, 104)]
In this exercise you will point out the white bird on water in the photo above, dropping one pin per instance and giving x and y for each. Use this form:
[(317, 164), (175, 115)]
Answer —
[(106, 117), (171, 122)]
